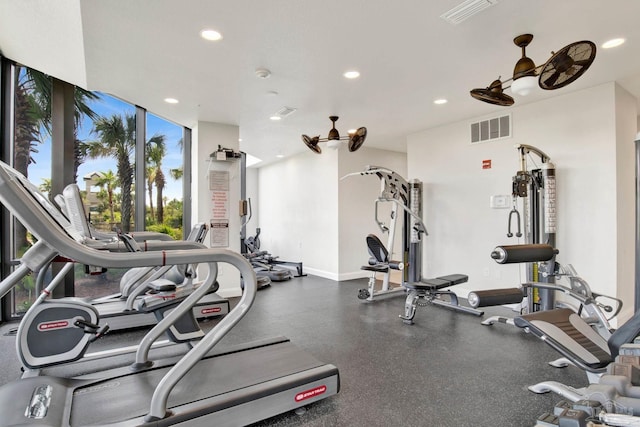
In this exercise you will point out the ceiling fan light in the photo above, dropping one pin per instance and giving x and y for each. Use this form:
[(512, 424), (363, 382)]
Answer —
[(524, 85), (333, 143)]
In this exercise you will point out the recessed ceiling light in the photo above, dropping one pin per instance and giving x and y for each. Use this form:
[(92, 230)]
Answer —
[(352, 74), (612, 43), (171, 100), (279, 156), (440, 101), (211, 35), (239, 139), (275, 118)]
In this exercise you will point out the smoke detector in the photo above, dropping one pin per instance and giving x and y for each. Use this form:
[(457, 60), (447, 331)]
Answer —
[(263, 73)]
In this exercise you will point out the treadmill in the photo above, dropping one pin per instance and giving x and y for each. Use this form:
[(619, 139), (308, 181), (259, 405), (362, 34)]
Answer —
[(238, 386), (119, 310)]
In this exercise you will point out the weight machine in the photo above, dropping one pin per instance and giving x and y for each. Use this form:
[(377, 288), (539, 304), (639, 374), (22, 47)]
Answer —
[(394, 190), (406, 200), (536, 187)]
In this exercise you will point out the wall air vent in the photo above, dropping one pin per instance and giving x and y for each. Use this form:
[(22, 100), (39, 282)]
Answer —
[(491, 129), (466, 10)]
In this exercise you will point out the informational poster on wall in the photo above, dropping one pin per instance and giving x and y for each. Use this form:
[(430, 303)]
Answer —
[(219, 187), (219, 231), (218, 180), (220, 204)]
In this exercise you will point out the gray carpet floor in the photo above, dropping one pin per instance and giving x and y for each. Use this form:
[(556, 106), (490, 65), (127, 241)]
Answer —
[(445, 370)]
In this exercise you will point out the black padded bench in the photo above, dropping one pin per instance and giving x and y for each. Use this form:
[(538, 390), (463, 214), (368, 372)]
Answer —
[(431, 291), (438, 282)]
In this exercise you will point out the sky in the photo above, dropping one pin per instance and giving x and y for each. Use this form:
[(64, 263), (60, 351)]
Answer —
[(107, 106)]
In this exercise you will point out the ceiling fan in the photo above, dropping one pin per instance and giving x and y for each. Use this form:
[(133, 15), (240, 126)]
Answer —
[(356, 139), (564, 67)]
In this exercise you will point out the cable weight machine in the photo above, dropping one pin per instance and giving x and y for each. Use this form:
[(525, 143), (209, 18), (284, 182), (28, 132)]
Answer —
[(537, 188)]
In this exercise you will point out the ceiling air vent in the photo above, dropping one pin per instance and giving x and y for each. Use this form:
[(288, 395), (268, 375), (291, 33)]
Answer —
[(491, 129), (466, 10), (286, 111)]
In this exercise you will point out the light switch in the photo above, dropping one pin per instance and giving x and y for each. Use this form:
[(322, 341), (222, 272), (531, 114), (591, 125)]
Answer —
[(499, 202)]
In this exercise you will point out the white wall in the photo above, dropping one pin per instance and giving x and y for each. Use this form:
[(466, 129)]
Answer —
[(299, 211), (307, 214), (578, 132), (626, 130), (356, 207)]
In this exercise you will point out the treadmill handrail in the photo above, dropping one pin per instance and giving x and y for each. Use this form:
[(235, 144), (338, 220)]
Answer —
[(28, 205), (158, 408)]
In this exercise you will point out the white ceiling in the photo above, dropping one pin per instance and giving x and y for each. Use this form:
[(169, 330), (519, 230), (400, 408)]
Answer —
[(146, 50)]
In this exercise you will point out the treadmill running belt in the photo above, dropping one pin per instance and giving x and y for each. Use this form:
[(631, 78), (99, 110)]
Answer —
[(129, 396)]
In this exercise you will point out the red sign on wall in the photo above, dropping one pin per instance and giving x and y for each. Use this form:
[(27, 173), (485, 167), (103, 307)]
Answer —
[(486, 164)]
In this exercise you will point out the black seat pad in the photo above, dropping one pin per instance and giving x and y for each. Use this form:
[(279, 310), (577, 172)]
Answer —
[(377, 268), (438, 283)]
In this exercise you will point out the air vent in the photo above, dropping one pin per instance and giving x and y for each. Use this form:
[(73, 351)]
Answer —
[(466, 10), (491, 129), (286, 111)]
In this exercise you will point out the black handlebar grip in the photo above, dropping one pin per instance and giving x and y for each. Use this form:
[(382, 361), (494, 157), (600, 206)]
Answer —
[(491, 297), (396, 265), (512, 254)]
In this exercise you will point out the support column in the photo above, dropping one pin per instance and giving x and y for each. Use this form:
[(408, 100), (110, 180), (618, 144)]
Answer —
[(207, 137), (62, 155)]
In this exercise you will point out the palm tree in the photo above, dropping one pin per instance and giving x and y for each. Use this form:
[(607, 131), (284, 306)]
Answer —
[(45, 187), (36, 88), (117, 139), (176, 173), (27, 129), (151, 177), (108, 182), (33, 118), (156, 150)]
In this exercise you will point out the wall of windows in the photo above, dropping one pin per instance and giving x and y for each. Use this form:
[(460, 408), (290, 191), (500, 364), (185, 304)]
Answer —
[(130, 175), (164, 170)]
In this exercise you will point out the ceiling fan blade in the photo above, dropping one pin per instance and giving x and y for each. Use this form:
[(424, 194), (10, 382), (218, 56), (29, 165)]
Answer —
[(357, 139), (583, 63), (551, 80), (312, 143), (492, 96), (567, 65)]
